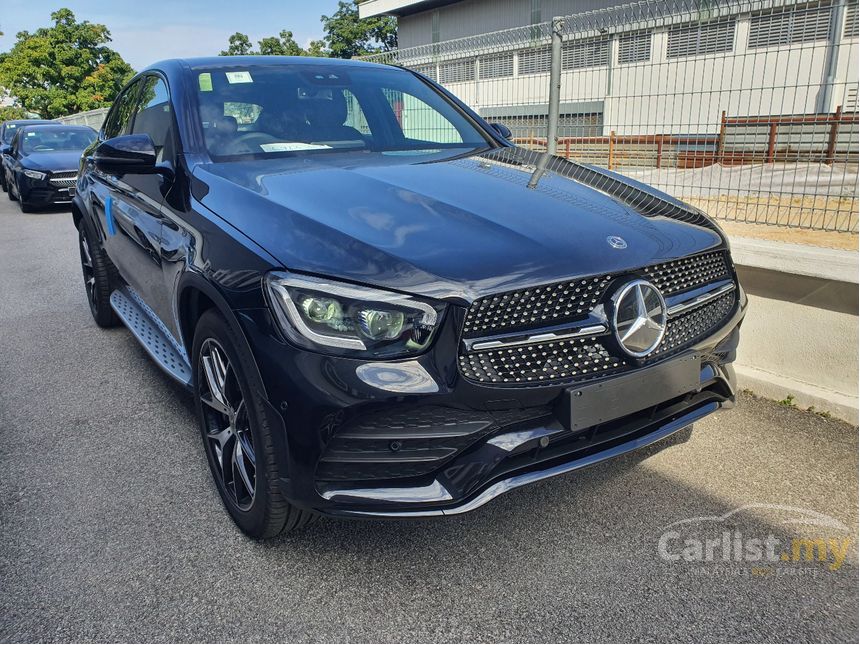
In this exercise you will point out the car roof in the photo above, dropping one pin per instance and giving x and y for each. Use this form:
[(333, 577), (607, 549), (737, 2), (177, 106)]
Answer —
[(70, 126), (214, 62), (30, 122)]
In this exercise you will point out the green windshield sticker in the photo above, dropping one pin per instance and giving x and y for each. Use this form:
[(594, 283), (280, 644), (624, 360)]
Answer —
[(205, 82)]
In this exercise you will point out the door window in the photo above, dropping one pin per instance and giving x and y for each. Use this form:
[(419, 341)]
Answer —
[(119, 120), (419, 121), (154, 116)]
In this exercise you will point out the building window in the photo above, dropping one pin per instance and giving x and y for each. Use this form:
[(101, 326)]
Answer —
[(634, 48), (428, 70), (458, 71), (589, 53), (852, 22), (789, 26), (496, 66), (713, 37), (534, 61)]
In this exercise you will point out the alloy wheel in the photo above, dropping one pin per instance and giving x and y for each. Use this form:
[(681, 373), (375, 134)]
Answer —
[(88, 270), (226, 425)]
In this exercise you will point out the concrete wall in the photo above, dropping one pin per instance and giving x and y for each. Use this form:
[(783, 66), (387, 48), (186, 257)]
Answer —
[(800, 337)]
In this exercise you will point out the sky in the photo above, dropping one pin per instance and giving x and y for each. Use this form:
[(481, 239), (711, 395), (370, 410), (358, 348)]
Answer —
[(145, 31)]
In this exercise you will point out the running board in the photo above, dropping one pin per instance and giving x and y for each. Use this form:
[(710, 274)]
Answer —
[(150, 333)]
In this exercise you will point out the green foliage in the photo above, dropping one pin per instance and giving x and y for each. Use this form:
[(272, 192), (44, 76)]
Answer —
[(348, 36), (10, 112), (238, 45), (788, 401), (281, 45), (64, 68), (285, 45)]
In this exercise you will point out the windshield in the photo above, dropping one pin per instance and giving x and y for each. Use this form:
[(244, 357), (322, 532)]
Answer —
[(56, 139), (266, 110), (9, 132)]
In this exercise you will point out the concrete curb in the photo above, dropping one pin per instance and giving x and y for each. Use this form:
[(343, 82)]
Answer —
[(778, 387), (796, 259)]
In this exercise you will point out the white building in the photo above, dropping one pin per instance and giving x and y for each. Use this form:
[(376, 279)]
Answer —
[(641, 69)]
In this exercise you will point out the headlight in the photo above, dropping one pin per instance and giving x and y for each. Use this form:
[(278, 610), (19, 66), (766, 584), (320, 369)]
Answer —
[(35, 174), (332, 316)]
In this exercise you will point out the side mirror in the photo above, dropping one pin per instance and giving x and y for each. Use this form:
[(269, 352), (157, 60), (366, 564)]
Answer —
[(126, 154), (5, 149), (503, 130)]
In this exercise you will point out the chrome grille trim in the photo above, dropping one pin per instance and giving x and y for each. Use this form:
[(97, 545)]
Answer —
[(683, 307), (591, 330)]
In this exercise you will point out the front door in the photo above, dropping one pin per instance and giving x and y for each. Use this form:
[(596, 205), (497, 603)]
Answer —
[(132, 202)]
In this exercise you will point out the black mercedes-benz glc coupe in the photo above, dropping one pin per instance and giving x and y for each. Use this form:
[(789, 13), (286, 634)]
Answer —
[(382, 306)]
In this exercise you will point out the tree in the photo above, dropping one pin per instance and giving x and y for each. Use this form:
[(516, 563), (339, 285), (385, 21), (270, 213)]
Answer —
[(348, 36), (285, 45), (9, 112), (64, 68), (238, 45)]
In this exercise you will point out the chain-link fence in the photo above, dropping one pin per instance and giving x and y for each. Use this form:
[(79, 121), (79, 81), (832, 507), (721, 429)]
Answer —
[(744, 108)]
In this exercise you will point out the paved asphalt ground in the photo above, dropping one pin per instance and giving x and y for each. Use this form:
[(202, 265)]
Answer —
[(112, 531)]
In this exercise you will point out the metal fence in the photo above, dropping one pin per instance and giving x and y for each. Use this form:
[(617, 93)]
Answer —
[(747, 109)]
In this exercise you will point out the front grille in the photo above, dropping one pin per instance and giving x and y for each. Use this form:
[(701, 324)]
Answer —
[(568, 301), (688, 273), (64, 179), (692, 326), (541, 306), (564, 359), (588, 357)]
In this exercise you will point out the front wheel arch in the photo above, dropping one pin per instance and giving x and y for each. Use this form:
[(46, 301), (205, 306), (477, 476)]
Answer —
[(195, 296)]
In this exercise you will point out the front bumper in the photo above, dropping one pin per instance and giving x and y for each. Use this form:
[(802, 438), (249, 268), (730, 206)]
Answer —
[(41, 192), (497, 438)]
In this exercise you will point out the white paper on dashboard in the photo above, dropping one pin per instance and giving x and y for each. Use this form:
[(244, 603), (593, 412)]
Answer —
[(292, 146)]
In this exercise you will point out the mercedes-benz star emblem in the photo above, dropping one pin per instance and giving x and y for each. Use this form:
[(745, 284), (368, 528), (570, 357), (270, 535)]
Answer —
[(616, 242), (639, 317)]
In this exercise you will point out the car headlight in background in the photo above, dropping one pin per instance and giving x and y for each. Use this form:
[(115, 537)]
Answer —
[(35, 174), (332, 316)]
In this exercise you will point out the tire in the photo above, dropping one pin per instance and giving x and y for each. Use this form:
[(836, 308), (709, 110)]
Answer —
[(100, 276), (235, 429), (12, 195)]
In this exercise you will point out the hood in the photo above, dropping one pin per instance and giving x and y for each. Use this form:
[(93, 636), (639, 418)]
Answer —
[(53, 161), (453, 227)]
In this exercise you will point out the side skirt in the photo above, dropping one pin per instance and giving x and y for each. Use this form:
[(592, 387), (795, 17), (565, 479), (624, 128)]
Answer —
[(150, 333)]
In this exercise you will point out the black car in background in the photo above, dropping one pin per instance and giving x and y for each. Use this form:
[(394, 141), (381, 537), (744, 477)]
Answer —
[(382, 306), (42, 164), (7, 131)]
